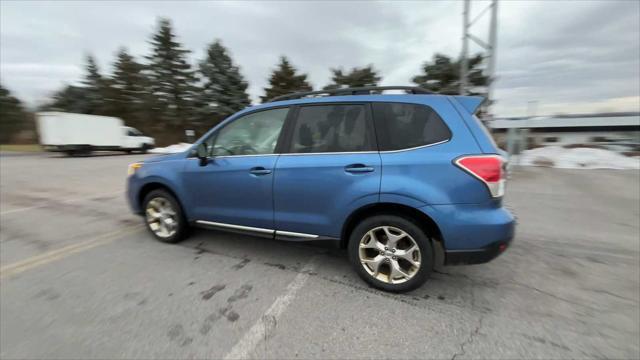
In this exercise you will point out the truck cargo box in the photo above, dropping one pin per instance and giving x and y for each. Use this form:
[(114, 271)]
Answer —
[(57, 129)]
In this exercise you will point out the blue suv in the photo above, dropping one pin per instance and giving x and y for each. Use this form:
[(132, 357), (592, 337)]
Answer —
[(393, 177)]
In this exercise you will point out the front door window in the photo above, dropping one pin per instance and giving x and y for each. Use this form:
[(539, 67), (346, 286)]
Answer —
[(252, 134)]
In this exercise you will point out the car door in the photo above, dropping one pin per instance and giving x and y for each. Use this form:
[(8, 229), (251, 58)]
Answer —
[(330, 167), (234, 188)]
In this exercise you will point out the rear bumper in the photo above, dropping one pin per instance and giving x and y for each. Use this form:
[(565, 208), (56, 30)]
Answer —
[(473, 233), (477, 256)]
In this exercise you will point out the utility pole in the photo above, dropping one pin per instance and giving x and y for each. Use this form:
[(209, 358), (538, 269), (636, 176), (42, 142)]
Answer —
[(489, 47), (464, 65), (491, 53)]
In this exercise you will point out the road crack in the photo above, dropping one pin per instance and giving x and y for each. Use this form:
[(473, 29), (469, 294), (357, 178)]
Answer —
[(554, 296), (469, 340), (489, 282)]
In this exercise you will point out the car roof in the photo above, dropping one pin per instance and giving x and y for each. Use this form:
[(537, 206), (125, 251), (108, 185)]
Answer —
[(406, 98)]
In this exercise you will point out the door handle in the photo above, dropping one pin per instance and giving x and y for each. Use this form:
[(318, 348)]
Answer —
[(260, 171), (358, 168)]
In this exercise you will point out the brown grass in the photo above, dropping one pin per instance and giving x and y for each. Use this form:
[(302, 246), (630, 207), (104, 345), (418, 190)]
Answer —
[(21, 148)]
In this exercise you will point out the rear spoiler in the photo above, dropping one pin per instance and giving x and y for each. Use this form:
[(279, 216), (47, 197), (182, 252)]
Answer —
[(470, 103)]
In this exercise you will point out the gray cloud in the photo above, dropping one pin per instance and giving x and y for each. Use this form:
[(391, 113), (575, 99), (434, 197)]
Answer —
[(571, 56), (577, 54)]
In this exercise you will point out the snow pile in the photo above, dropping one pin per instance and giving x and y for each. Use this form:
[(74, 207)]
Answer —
[(176, 148), (577, 158)]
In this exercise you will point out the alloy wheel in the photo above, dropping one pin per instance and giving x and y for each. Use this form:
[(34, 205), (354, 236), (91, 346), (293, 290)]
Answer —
[(389, 254), (161, 217)]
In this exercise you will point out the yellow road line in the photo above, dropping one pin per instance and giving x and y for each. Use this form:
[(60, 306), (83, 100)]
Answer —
[(64, 201), (38, 260)]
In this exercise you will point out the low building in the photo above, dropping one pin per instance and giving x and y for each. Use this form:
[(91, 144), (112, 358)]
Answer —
[(619, 133)]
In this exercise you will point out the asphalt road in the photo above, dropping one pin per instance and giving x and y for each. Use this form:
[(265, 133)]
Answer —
[(81, 278)]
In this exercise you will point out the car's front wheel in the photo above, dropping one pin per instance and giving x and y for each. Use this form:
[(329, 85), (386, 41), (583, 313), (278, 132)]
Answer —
[(164, 217), (391, 253)]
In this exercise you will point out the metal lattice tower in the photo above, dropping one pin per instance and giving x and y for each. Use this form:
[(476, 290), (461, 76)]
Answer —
[(489, 48)]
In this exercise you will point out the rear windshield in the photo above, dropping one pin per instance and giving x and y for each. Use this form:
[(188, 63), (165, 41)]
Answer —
[(403, 126)]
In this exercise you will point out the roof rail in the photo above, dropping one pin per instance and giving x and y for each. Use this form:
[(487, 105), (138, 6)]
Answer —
[(367, 90)]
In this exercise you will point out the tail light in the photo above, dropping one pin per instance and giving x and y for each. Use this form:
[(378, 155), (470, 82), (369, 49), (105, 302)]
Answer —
[(487, 168)]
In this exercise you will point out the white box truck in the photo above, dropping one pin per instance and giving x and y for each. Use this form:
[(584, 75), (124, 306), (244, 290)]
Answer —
[(80, 134)]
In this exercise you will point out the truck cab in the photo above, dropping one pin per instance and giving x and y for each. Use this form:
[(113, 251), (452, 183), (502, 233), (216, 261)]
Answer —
[(134, 139)]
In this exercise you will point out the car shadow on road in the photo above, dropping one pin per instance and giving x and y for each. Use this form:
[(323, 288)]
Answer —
[(446, 286)]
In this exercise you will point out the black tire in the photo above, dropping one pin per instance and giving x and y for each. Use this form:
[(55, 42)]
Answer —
[(182, 227), (414, 231), (144, 149)]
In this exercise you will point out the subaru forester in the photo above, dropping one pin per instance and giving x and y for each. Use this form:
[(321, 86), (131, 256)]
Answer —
[(390, 177)]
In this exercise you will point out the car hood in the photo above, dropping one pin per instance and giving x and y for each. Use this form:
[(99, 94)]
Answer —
[(167, 157)]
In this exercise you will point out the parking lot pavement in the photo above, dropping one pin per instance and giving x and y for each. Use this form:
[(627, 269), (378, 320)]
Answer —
[(81, 278)]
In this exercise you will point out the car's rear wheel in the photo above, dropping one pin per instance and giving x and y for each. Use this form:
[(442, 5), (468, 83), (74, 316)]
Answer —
[(391, 253), (164, 217)]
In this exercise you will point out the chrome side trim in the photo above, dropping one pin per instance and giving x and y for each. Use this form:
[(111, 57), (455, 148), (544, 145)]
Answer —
[(248, 155), (233, 156), (236, 227), (257, 230), (370, 152), (331, 153), (416, 147), (295, 234)]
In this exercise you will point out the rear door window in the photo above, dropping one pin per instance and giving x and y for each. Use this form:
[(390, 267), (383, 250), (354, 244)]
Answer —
[(403, 126), (332, 128)]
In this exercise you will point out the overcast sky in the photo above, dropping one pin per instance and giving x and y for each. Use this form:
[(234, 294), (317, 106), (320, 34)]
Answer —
[(569, 56)]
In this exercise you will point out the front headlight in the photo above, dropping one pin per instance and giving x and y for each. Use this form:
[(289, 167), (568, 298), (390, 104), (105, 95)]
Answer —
[(133, 168)]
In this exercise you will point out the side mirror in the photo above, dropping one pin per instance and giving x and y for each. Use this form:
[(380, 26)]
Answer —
[(202, 152)]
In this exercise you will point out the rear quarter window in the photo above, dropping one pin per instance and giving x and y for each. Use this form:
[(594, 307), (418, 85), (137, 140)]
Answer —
[(403, 126)]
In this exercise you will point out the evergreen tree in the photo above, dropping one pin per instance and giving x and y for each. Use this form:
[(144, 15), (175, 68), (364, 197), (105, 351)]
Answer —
[(224, 90), (284, 80), (171, 79), (94, 88), (128, 90), (71, 98), (13, 117), (90, 98), (442, 74), (357, 77)]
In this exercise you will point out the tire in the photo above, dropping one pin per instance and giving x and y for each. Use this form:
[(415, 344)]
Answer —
[(144, 149), (161, 201), (373, 233)]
